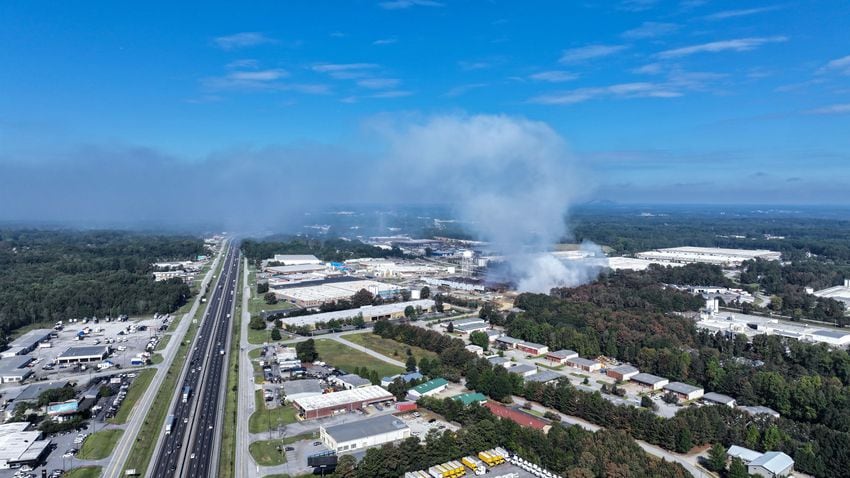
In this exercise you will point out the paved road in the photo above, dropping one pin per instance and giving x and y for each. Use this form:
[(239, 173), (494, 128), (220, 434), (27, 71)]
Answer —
[(122, 449), (190, 447), (245, 465)]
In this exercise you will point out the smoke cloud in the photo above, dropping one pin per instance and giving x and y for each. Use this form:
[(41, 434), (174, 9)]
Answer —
[(512, 181)]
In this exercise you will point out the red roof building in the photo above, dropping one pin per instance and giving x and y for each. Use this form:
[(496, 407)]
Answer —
[(518, 416)]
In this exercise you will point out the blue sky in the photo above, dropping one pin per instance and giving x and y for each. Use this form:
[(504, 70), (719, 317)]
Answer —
[(657, 101)]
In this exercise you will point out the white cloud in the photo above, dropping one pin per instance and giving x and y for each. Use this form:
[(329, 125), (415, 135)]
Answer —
[(740, 13), (738, 44), (590, 52), (261, 80), (649, 69), (379, 83), (474, 65), (650, 30), (392, 94), (622, 90), (242, 40), (261, 75), (837, 109), (402, 4), (841, 65), (245, 63), (637, 5), (554, 76), (384, 41), (345, 71)]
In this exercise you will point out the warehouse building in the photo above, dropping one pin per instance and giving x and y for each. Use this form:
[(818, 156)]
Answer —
[(622, 373), (470, 327), (296, 259), (19, 447), (94, 353), (523, 370), (333, 291), (544, 376), (649, 381), (496, 360), (370, 313), (14, 369), (295, 389), (518, 416), (339, 402), (469, 398), (560, 357), (584, 364), (708, 255), (362, 434), (405, 377), (840, 293), (771, 464), (759, 410), (718, 399), (684, 391), (427, 389), (493, 334), (350, 381), (27, 343), (528, 347)]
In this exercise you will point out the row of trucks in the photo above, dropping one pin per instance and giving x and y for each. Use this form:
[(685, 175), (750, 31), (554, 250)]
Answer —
[(454, 469)]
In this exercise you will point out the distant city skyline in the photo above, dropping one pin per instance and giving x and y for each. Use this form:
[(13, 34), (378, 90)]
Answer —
[(652, 101)]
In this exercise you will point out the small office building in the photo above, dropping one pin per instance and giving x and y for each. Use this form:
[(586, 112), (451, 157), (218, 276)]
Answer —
[(649, 381), (560, 357), (718, 399), (684, 391), (584, 364), (94, 353)]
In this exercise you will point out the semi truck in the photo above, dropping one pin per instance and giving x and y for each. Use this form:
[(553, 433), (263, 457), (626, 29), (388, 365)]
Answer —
[(169, 424), (477, 466), (491, 458), (187, 391)]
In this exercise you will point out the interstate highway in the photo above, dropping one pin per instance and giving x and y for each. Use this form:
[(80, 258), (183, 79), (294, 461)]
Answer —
[(189, 449)]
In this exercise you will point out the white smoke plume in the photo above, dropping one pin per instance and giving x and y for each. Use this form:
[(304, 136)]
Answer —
[(511, 179)]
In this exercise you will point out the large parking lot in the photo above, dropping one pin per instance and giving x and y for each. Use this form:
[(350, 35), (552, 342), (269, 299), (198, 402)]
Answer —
[(126, 339)]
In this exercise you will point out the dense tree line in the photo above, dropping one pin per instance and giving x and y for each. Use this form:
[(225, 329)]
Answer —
[(335, 250), (570, 451), (58, 275)]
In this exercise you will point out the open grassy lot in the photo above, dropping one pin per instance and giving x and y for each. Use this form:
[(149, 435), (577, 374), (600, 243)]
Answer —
[(346, 358), (163, 341), (84, 472), (137, 388), (259, 336), (266, 419), (99, 445), (266, 453), (389, 347)]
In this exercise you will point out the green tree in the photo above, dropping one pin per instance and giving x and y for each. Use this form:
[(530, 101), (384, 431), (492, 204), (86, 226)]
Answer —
[(737, 469), (345, 467), (262, 287), (410, 365), (772, 437), (753, 437), (480, 339), (425, 292), (409, 311), (270, 298), (405, 295), (361, 298), (451, 327), (684, 442), (257, 323), (306, 351), (716, 458), (425, 366), (276, 334)]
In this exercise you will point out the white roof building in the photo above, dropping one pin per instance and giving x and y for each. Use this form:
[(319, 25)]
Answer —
[(369, 313), (366, 433), (771, 464), (296, 259), (708, 255), (19, 446), (839, 292)]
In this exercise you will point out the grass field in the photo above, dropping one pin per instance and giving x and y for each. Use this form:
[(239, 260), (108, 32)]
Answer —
[(346, 358), (84, 472), (137, 388), (99, 445), (389, 347), (156, 359), (266, 453), (227, 460), (258, 337), (163, 341), (266, 419)]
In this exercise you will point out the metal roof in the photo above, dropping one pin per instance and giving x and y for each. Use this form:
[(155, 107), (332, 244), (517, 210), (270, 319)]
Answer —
[(365, 428), (648, 378), (336, 399), (625, 369), (13, 364), (85, 351), (745, 454), (31, 338), (522, 368), (773, 461), (543, 376), (680, 387), (430, 385), (582, 361), (353, 379), (563, 354), (718, 398), (470, 397)]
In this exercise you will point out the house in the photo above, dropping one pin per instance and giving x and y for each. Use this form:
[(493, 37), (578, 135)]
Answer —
[(584, 364), (622, 373), (560, 357), (684, 391), (718, 399), (431, 387), (652, 382)]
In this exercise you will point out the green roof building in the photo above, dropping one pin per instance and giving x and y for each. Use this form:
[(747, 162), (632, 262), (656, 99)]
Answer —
[(431, 387), (470, 397)]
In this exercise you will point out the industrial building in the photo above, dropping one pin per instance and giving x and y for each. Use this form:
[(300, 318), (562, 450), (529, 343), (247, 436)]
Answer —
[(756, 410), (472, 326), (405, 377), (19, 447), (496, 360), (623, 372), (518, 416), (296, 259), (543, 376), (684, 391), (457, 283), (476, 349), (370, 313), (27, 343), (718, 399), (431, 387), (708, 255), (332, 291), (752, 325), (528, 347), (337, 402), (523, 370), (362, 434), (469, 398), (561, 356), (350, 381), (14, 369), (94, 353), (295, 389), (650, 381), (771, 464), (840, 293), (584, 364), (493, 334)]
